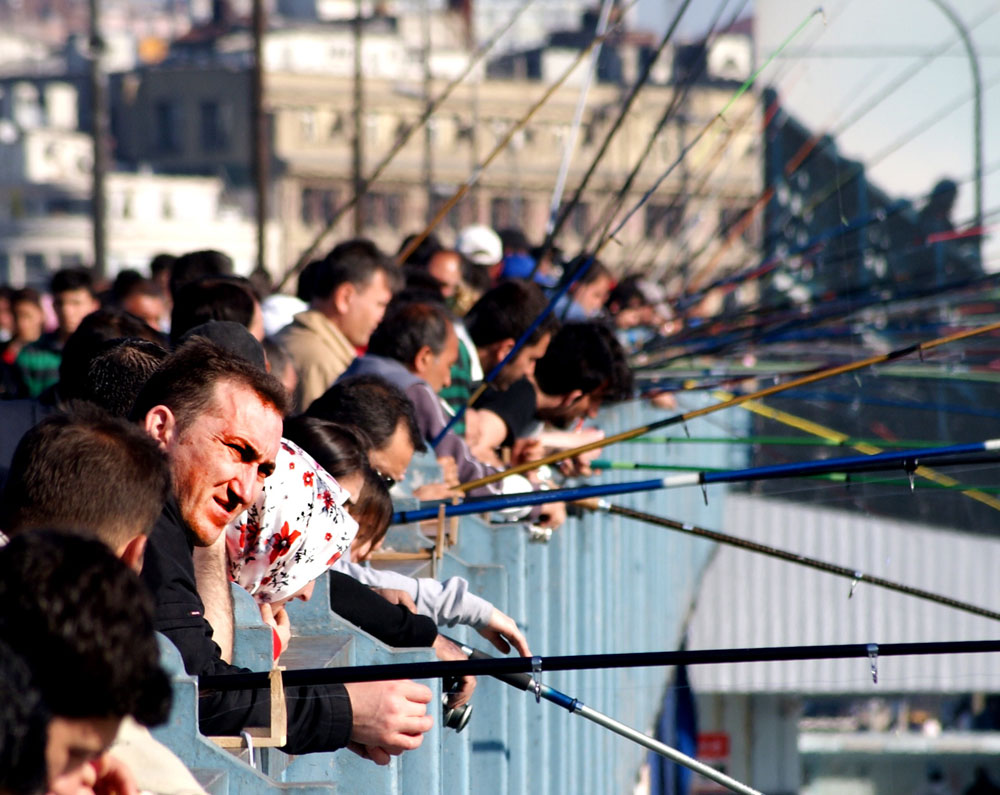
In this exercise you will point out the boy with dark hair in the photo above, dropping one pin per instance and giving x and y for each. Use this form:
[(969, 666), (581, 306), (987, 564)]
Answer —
[(87, 471), (350, 290), (196, 265), (23, 726), (215, 298), (73, 298), (83, 623), (119, 371)]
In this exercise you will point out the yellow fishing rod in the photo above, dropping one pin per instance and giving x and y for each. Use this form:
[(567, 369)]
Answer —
[(731, 400)]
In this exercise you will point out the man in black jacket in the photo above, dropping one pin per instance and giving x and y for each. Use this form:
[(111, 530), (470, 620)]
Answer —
[(219, 420)]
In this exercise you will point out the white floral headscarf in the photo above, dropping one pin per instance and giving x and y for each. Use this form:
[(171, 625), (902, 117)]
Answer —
[(295, 530)]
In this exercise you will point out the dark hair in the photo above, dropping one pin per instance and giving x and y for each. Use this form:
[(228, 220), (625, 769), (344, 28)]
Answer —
[(72, 279), (211, 298), (160, 263), (596, 270), (419, 286), (26, 295), (119, 371), (86, 470), (197, 264), (626, 294), (125, 282), (304, 285), (373, 510), (355, 261), (476, 276), (23, 726), (187, 380), (83, 622), (584, 356), (406, 328), (506, 312), (371, 403), (513, 240), (277, 356), (88, 340), (340, 450), (421, 255)]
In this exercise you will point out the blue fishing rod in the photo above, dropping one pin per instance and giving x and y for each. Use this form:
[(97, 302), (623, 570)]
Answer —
[(908, 460), (589, 260), (792, 320), (531, 684)]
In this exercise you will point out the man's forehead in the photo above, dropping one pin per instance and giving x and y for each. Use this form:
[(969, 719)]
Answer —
[(237, 409)]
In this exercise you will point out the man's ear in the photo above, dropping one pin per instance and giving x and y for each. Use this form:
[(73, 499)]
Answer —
[(134, 552), (341, 297), (572, 397), (161, 424), (504, 347), (422, 360)]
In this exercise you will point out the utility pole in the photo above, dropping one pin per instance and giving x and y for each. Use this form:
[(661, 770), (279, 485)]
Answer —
[(99, 135), (358, 143), (428, 133), (260, 154)]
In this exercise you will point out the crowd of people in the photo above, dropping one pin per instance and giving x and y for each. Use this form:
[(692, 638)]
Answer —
[(172, 434)]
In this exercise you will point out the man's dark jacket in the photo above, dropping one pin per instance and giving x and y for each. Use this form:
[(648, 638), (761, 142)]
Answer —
[(319, 717)]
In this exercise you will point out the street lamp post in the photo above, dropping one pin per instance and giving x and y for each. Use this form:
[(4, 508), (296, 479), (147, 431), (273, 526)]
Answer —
[(977, 113)]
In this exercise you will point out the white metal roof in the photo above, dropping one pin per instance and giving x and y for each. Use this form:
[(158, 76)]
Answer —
[(749, 600)]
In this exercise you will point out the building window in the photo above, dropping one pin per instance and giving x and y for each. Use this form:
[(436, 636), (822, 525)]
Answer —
[(166, 116), (214, 127), (70, 260), (730, 217), (663, 220), (35, 271), (503, 213), (382, 209), (318, 205)]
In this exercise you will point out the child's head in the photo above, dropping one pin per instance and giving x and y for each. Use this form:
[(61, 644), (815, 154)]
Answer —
[(373, 512)]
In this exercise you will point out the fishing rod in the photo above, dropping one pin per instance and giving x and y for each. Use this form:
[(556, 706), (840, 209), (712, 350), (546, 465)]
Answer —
[(820, 142), (787, 441), (845, 478), (403, 138), (456, 197), (815, 428), (855, 575), (494, 666), (908, 460), (676, 101), (574, 130), (732, 401), (603, 148), (766, 329), (809, 250), (824, 141), (530, 684), (587, 262)]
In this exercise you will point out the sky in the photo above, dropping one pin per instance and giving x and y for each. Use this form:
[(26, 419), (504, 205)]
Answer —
[(913, 135)]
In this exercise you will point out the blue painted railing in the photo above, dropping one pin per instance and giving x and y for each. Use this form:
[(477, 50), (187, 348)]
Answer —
[(600, 584)]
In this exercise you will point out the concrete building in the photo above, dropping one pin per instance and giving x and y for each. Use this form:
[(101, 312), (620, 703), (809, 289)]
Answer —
[(186, 119), (45, 183)]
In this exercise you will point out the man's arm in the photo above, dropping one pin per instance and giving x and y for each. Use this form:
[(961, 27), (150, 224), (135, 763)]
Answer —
[(212, 578)]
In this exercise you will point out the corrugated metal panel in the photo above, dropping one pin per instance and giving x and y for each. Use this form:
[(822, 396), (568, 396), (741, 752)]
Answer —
[(747, 600)]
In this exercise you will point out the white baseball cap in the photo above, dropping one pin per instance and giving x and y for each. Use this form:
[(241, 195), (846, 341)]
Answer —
[(480, 245)]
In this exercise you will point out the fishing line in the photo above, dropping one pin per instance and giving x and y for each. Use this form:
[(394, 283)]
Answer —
[(401, 141)]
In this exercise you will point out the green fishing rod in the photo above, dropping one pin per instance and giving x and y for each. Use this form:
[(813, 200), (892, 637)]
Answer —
[(848, 479), (733, 401)]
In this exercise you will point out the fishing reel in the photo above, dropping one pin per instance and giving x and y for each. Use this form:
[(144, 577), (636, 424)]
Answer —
[(453, 717)]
